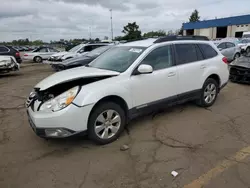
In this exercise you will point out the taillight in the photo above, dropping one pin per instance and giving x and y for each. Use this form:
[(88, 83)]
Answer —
[(224, 59), (25, 55), (17, 54)]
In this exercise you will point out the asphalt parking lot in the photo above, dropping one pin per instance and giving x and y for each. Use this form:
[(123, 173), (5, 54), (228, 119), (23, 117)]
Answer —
[(207, 147)]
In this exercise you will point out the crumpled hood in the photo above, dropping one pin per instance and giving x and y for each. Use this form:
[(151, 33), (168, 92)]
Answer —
[(76, 60), (59, 54), (243, 61), (73, 74)]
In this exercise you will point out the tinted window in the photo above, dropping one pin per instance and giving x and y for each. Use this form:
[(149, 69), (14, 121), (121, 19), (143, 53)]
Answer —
[(87, 48), (199, 54), (186, 53), (3, 49), (96, 46), (159, 58), (207, 51), (43, 50), (230, 45), (222, 45), (53, 50)]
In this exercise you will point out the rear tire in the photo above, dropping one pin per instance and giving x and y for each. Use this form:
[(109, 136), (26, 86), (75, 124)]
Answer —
[(106, 123), (38, 59), (209, 93), (236, 56)]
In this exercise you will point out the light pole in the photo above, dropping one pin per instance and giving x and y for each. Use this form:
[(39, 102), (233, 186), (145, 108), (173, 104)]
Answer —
[(111, 22)]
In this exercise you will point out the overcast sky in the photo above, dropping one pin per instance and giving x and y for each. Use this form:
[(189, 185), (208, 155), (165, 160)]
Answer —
[(56, 19)]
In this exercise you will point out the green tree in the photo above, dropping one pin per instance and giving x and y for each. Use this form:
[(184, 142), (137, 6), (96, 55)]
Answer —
[(180, 32), (131, 31), (119, 38), (37, 42), (154, 34), (194, 17), (97, 40)]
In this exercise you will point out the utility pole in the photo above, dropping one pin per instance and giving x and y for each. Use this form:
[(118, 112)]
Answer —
[(111, 22), (90, 32)]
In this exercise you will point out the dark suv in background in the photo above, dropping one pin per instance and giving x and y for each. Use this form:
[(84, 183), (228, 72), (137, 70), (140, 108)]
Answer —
[(10, 51)]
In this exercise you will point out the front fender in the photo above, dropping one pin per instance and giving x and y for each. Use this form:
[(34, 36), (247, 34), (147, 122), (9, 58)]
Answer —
[(89, 96)]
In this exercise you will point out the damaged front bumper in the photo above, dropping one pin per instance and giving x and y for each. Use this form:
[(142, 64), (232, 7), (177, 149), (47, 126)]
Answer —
[(239, 74), (7, 67), (67, 122)]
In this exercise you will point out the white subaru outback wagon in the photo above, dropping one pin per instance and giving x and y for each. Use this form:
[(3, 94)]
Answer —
[(127, 80)]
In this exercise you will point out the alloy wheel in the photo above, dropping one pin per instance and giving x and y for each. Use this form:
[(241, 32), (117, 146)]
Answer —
[(107, 124), (210, 93), (38, 59)]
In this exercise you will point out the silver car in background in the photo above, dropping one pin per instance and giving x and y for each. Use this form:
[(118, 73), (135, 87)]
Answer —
[(229, 49)]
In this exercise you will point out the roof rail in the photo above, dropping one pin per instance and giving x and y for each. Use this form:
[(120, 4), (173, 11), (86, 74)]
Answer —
[(176, 37)]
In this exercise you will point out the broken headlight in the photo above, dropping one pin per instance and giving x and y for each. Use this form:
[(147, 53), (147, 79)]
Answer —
[(61, 101)]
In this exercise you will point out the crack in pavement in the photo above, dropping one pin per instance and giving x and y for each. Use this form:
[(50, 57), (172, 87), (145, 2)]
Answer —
[(85, 176), (20, 106)]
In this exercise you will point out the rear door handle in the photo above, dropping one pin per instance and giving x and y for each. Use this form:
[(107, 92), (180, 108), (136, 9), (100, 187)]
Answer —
[(171, 74), (203, 66)]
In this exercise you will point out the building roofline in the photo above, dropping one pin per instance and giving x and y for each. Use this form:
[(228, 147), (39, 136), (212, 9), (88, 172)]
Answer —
[(220, 22)]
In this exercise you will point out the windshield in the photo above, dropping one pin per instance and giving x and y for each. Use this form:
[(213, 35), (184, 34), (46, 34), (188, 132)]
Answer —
[(118, 58), (75, 49), (246, 36), (98, 51), (243, 41)]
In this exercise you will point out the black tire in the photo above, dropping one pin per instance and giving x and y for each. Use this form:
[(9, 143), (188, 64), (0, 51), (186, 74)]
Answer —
[(38, 59), (101, 108), (201, 101), (248, 50), (237, 55)]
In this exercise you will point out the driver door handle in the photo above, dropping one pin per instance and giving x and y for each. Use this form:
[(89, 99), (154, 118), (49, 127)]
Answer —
[(171, 74)]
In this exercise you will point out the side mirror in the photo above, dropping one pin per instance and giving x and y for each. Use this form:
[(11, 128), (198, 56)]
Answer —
[(145, 69)]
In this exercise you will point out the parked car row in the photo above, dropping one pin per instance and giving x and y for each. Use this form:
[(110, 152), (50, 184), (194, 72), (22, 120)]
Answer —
[(81, 60), (40, 54), (10, 51), (232, 48), (123, 82), (24, 48)]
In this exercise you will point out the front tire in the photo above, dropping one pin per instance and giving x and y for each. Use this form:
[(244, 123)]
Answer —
[(248, 50), (209, 93), (106, 123)]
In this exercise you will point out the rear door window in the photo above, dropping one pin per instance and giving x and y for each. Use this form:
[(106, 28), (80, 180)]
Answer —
[(3, 49), (208, 51), (222, 46), (187, 53), (43, 50), (230, 45)]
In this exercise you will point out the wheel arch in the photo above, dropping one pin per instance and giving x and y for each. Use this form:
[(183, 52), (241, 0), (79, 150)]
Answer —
[(216, 77), (36, 56), (113, 98)]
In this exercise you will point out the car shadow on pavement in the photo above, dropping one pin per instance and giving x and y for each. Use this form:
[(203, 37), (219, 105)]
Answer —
[(5, 75)]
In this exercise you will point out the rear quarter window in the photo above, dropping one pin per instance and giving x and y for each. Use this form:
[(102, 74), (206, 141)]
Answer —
[(208, 51)]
